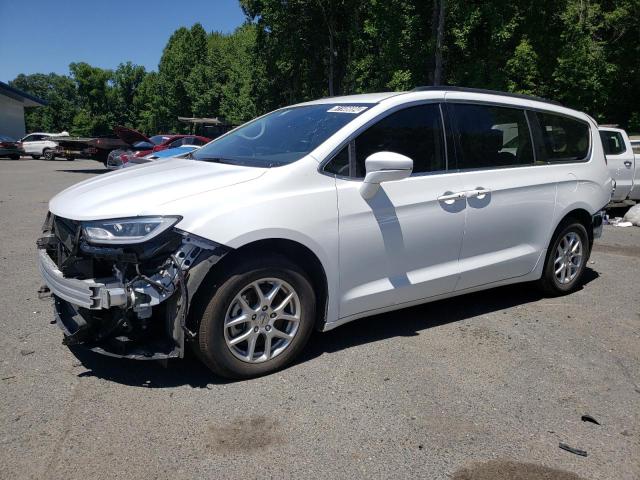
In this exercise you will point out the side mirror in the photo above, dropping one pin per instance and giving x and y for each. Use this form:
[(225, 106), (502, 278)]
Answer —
[(384, 167)]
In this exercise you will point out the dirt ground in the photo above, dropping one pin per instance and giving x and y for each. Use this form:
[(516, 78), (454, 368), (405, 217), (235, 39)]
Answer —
[(483, 386)]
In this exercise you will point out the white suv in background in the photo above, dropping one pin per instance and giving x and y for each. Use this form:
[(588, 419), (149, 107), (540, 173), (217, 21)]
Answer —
[(41, 144), (322, 213)]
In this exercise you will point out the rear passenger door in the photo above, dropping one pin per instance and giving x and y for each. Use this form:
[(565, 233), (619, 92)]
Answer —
[(510, 195)]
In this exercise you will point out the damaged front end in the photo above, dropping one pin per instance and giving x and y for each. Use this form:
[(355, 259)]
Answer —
[(123, 299)]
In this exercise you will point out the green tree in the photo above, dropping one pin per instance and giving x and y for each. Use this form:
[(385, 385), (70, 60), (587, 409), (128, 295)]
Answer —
[(60, 93), (126, 82), (96, 114)]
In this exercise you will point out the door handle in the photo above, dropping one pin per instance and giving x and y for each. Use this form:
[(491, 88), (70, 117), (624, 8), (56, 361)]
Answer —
[(451, 197), (478, 193), (627, 163)]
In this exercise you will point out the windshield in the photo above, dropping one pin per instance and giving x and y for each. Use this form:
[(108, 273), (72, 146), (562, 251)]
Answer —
[(280, 137)]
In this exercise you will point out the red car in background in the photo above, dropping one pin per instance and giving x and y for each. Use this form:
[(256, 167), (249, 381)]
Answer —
[(141, 145)]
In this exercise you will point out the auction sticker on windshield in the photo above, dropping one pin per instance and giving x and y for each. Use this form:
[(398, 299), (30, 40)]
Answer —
[(347, 109)]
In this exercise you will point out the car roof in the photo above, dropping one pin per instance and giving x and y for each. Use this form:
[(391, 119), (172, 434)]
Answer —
[(453, 93), (359, 98)]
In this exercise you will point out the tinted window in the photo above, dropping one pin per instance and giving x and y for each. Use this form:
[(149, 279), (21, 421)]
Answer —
[(34, 138), (339, 164), (491, 136), (280, 137), (564, 139), (612, 142), (415, 132)]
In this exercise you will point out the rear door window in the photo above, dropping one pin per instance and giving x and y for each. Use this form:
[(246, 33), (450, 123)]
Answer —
[(612, 142), (564, 139), (491, 137)]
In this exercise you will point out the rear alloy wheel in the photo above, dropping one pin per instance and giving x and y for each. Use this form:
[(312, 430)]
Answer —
[(49, 154), (566, 260), (258, 320)]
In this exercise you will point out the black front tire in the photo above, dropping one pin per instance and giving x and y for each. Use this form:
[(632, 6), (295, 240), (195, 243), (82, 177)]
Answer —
[(211, 310), (15, 157), (550, 283)]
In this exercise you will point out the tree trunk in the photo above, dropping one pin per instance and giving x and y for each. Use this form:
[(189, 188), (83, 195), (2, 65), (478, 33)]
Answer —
[(331, 59), (438, 69)]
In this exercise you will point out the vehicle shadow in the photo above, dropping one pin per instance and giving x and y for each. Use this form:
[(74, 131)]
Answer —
[(97, 171), (408, 322), (400, 323)]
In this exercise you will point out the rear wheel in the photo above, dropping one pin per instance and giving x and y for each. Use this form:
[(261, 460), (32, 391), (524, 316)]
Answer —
[(49, 154), (258, 319), (566, 259), (14, 157)]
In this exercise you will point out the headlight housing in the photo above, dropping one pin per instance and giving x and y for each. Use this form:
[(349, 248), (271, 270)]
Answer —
[(125, 231)]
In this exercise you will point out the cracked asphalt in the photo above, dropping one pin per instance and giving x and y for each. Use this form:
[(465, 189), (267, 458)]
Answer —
[(483, 386)]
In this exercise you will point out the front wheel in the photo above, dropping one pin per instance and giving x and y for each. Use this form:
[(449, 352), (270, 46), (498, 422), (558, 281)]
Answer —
[(258, 320), (15, 157), (566, 260)]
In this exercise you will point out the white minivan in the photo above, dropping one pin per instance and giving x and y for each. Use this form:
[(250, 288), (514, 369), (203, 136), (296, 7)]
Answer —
[(321, 213)]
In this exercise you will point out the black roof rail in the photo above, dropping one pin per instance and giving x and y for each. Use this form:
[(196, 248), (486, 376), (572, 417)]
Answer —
[(448, 88)]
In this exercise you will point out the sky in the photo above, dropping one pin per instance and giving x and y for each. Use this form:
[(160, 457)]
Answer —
[(43, 36)]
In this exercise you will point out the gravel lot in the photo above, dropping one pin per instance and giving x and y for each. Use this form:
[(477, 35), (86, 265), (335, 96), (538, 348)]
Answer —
[(484, 386)]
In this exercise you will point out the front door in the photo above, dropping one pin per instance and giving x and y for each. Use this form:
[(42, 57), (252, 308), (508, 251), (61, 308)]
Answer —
[(621, 161), (402, 244)]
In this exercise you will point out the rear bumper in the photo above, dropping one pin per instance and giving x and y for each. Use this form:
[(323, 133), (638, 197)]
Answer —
[(597, 221)]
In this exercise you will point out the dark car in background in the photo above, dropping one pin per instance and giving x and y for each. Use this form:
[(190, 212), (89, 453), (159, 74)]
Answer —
[(10, 148), (140, 145)]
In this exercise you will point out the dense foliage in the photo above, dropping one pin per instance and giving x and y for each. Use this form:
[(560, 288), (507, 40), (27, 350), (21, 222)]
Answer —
[(581, 52)]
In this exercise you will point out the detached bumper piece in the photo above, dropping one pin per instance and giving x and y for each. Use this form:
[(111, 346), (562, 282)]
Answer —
[(129, 301)]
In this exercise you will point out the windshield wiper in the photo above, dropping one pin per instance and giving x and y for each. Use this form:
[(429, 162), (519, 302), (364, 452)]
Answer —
[(214, 159)]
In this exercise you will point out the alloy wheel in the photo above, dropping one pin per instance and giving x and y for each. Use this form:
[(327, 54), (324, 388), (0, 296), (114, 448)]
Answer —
[(569, 258), (262, 320)]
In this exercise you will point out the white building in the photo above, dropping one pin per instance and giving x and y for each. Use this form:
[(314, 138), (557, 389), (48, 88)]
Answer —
[(12, 103)]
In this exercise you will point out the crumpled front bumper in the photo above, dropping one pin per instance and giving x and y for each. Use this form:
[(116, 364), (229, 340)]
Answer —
[(83, 293), (137, 305)]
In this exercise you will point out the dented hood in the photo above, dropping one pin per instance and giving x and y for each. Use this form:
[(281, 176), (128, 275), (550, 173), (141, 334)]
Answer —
[(144, 189)]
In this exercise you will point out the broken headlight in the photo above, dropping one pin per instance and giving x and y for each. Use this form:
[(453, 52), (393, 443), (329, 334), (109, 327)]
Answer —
[(123, 231)]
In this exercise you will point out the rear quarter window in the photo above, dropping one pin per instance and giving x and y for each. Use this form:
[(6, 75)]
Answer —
[(564, 139)]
